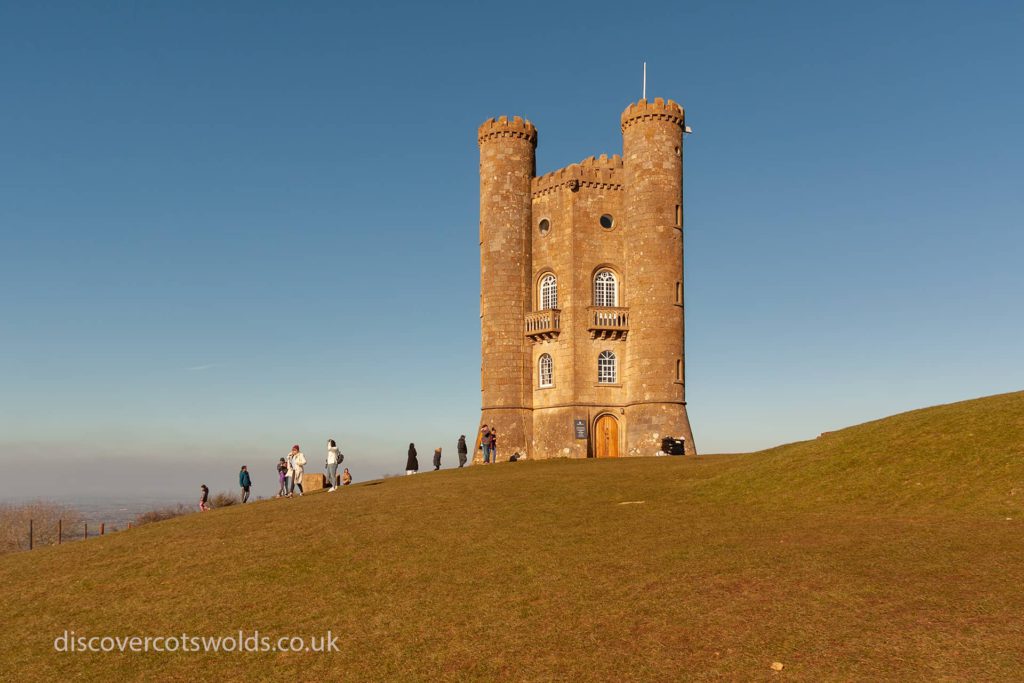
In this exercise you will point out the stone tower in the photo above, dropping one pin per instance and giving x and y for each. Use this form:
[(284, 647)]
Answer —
[(582, 292), (507, 168)]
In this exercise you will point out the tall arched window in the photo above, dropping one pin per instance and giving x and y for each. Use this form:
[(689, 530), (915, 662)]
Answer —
[(549, 291), (606, 289), (546, 371), (606, 368)]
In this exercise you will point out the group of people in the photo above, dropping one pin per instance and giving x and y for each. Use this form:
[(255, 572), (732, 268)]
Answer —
[(291, 467), (488, 444)]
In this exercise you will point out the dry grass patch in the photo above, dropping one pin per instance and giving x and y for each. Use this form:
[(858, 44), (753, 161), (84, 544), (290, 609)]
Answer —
[(882, 552)]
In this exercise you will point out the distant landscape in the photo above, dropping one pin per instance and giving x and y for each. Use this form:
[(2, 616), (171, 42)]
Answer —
[(889, 550)]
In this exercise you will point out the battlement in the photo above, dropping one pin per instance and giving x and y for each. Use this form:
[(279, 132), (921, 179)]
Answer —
[(659, 109), (502, 127), (601, 172)]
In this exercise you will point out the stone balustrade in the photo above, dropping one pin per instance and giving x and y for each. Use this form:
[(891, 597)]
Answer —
[(541, 325), (605, 322)]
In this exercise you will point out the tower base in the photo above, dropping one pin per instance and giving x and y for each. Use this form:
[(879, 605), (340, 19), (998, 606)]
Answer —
[(649, 423), (514, 428)]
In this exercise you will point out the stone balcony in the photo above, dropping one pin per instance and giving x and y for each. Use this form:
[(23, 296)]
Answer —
[(605, 322), (543, 325)]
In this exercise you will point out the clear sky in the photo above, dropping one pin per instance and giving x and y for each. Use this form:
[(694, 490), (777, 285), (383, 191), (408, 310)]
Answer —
[(230, 227)]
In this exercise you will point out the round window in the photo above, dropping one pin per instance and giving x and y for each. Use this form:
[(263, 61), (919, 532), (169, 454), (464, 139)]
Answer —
[(607, 222), (544, 226)]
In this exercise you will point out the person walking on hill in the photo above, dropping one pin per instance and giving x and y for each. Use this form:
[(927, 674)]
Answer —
[(437, 459), (282, 478), (412, 465), (334, 458), (204, 498), (485, 443), (346, 477), (244, 481), (289, 477), (298, 466), (494, 445), (462, 450)]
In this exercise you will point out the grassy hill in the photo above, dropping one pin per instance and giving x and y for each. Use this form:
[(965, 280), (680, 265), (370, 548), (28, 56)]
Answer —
[(892, 550)]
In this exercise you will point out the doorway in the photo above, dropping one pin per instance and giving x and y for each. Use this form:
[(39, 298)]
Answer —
[(606, 437)]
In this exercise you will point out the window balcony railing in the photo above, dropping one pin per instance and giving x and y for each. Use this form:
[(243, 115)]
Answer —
[(544, 324), (607, 322)]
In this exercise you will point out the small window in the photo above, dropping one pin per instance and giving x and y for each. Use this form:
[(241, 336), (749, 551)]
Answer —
[(544, 226), (606, 289), (607, 373), (607, 221), (679, 369), (679, 151), (545, 370), (679, 216), (679, 292), (549, 291)]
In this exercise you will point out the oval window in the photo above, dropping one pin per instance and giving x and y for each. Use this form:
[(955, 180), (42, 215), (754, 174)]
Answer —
[(544, 226), (607, 222)]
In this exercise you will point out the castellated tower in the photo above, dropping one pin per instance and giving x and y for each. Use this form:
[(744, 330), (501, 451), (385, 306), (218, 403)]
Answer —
[(507, 168), (581, 292), (652, 204)]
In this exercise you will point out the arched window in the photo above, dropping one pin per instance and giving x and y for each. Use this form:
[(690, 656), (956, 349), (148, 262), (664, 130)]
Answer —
[(546, 371), (606, 368), (549, 291), (606, 289)]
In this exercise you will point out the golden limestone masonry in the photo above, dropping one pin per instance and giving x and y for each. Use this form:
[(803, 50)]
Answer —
[(581, 292)]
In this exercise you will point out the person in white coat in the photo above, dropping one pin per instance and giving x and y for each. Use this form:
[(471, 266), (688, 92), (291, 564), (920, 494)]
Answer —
[(334, 458), (297, 463)]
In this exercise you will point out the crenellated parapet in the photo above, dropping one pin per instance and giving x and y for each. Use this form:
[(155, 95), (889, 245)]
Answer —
[(503, 127), (602, 172), (659, 109)]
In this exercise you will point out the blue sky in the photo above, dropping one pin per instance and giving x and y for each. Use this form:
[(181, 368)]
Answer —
[(228, 228)]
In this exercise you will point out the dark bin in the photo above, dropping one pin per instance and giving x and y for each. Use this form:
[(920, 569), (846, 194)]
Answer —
[(673, 446)]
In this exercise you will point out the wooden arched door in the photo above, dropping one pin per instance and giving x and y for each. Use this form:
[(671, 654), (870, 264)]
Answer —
[(606, 437)]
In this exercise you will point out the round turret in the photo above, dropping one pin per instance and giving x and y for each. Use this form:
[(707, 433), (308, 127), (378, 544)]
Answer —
[(507, 168), (652, 139)]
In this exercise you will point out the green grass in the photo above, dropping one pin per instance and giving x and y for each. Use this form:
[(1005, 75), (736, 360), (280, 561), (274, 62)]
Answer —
[(888, 551)]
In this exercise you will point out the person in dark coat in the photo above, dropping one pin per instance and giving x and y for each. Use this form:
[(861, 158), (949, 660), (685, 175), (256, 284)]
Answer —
[(462, 450), (412, 465), (245, 481), (437, 459)]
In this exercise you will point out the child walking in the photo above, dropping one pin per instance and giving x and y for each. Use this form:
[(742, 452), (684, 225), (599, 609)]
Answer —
[(282, 474)]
